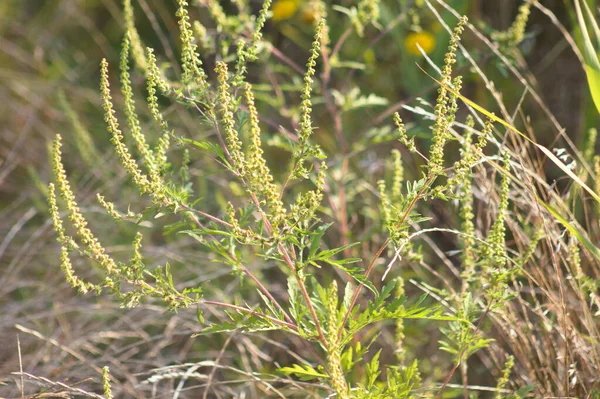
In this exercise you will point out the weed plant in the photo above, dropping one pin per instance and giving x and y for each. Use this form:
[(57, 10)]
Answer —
[(353, 244)]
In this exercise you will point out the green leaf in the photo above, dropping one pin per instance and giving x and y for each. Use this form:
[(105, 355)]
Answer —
[(198, 233), (199, 315), (192, 290), (522, 392), (195, 236), (217, 328), (396, 309), (373, 370), (354, 100), (147, 214), (169, 276), (574, 230), (593, 76), (350, 12), (209, 147), (325, 255), (242, 323), (304, 373), (347, 64), (315, 240), (347, 261), (591, 55), (360, 277)]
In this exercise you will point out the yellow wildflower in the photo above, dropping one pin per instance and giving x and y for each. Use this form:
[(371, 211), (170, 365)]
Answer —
[(284, 9), (424, 39)]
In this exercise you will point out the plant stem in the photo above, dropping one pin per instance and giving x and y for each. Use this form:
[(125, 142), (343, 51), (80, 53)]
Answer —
[(429, 180)]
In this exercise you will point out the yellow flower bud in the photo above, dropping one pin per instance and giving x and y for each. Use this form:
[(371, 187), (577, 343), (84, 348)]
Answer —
[(424, 39), (284, 9)]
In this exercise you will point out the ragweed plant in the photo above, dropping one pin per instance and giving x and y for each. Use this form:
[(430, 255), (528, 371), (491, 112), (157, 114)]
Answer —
[(275, 226), (516, 32)]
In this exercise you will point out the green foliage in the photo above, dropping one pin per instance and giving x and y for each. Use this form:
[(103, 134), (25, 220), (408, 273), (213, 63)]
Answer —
[(304, 373), (591, 53)]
